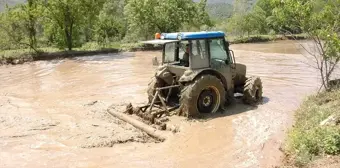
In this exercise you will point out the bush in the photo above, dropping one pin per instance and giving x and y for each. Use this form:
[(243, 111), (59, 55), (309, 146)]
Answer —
[(90, 46), (307, 139)]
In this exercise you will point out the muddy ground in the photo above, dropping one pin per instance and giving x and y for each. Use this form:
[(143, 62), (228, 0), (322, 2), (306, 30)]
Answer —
[(52, 113)]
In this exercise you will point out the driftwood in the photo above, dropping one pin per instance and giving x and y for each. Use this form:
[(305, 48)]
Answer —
[(138, 124), (331, 121)]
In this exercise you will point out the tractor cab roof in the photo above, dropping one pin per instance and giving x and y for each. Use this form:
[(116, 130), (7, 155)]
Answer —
[(173, 37), (192, 35)]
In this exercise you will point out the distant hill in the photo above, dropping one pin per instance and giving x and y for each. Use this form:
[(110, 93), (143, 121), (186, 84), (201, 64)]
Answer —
[(10, 3)]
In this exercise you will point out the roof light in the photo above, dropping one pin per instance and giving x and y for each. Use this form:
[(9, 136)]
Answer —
[(157, 36)]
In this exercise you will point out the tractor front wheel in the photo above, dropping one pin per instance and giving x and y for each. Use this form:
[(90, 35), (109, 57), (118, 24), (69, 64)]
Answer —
[(204, 95), (252, 92), (153, 84)]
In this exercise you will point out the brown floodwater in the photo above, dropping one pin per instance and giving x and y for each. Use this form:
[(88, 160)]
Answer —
[(52, 113)]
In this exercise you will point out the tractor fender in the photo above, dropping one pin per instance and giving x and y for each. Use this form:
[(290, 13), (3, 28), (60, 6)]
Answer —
[(164, 74), (191, 75)]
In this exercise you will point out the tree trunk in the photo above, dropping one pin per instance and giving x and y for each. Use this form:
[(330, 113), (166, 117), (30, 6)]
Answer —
[(31, 25), (68, 28), (138, 124), (69, 41)]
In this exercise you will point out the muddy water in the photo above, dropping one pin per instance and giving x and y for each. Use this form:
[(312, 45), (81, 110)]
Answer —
[(53, 113)]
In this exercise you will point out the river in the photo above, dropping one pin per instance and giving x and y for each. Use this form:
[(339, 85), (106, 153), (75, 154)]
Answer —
[(52, 113)]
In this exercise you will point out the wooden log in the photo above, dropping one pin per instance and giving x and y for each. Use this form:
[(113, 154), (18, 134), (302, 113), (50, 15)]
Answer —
[(138, 124)]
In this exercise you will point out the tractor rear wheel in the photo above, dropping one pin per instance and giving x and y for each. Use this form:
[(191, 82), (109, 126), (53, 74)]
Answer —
[(252, 92), (153, 84), (204, 95)]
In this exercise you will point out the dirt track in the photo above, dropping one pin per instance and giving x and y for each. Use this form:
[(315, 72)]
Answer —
[(53, 114)]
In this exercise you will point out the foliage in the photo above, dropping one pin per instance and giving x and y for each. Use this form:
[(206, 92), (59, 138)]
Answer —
[(18, 27), (320, 20), (65, 21), (307, 139), (247, 19), (145, 17), (111, 24)]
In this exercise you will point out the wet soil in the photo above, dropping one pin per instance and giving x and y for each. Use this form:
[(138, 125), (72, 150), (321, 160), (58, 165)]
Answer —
[(52, 113)]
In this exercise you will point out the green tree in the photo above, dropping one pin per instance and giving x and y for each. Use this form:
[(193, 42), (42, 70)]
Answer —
[(19, 25), (64, 21), (258, 20), (240, 22), (321, 21), (111, 24), (92, 8), (148, 16)]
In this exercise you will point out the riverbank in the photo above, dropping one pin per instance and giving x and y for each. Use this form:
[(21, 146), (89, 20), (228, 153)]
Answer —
[(21, 56), (24, 55), (314, 141), (264, 38)]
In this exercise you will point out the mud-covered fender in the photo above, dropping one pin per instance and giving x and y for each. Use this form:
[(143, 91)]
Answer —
[(190, 75), (240, 74), (164, 74)]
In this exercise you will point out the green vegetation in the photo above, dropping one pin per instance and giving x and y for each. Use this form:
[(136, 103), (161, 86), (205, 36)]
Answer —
[(319, 20), (308, 140), (220, 11), (35, 27), (93, 25)]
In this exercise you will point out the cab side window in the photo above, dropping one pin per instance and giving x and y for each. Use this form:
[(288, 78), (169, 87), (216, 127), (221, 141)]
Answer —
[(199, 56)]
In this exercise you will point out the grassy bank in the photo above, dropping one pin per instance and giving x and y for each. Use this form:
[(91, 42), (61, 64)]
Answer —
[(25, 55), (312, 138), (264, 38)]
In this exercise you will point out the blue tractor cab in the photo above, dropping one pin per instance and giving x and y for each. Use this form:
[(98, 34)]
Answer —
[(194, 50)]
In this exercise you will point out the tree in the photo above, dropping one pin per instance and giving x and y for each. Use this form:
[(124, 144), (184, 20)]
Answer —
[(258, 20), (148, 16), (240, 23), (31, 17), (19, 25), (111, 24), (321, 21), (64, 20), (92, 8)]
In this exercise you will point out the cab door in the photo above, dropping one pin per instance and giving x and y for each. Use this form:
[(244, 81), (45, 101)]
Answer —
[(221, 61)]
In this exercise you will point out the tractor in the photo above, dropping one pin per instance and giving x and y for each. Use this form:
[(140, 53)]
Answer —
[(199, 74)]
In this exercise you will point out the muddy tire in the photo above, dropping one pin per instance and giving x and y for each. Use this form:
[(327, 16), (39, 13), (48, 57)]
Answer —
[(252, 92), (204, 95), (153, 84)]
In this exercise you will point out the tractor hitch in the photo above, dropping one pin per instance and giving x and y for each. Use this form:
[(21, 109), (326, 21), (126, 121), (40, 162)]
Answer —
[(155, 112)]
